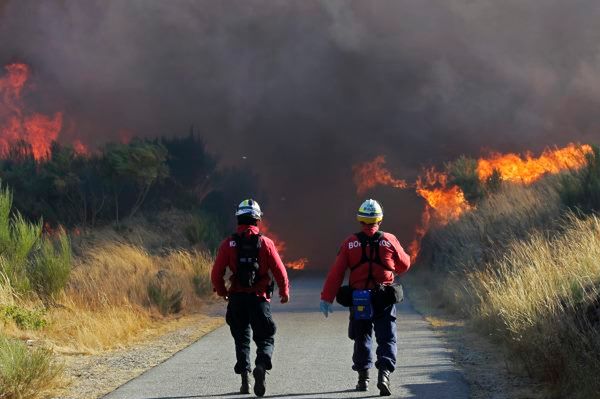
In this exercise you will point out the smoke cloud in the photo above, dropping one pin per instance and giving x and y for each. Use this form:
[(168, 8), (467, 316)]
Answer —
[(305, 89)]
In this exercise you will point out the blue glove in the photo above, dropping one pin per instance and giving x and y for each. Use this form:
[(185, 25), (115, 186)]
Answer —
[(326, 308)]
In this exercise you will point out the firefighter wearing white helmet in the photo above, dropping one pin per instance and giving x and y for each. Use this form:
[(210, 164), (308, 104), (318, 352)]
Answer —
[(373, 258), (254, 262), (249, 207)]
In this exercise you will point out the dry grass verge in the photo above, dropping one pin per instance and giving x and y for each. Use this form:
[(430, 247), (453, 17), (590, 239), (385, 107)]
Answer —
[(118, 293), (526, 273), (543, 300), (108, 303)]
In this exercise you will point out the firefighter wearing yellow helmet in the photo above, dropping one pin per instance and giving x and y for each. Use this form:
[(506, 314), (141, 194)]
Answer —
[(370, 212), (372, 258)]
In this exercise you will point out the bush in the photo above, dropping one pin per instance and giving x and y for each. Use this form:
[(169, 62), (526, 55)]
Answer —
[(50, 267), (26, 373), (463, 173), (28, 260), (24, 318), (581, 190), (204, 229), (18, 239), (165, 293)]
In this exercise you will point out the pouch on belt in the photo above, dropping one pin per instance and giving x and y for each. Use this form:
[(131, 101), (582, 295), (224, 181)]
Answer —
[(361, 305)]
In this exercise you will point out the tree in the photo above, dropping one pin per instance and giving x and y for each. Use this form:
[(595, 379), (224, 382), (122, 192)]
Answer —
[(140, 163)]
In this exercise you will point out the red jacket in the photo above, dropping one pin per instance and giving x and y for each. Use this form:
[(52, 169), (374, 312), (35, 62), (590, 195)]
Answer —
[(268, 260), (392, 257)]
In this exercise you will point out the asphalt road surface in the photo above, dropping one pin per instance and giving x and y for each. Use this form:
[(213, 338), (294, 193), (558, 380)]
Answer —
[(312, 359)]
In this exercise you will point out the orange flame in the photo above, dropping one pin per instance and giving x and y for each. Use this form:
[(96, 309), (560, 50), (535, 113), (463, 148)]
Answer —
[(528, 169), (281, 246), (80, 148), (299, 264), (370, 174), (266, 230), (446, 203), (38, 130), (415, 246)]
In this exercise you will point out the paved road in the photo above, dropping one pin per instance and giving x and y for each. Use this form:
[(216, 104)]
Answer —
[(312, 360)]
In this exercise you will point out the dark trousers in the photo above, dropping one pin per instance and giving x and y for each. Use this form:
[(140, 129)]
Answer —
[(361, 331), (249, 316)]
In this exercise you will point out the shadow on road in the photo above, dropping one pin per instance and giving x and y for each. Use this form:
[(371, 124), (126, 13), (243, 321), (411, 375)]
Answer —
[(443, 387), (286, 395)]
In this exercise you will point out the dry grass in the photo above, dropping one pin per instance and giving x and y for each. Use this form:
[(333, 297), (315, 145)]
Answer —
[(7, 294), (106, 303), (79, 330), (479, 236), (528, 276), (543, 300), (117, 273), (115, 295)]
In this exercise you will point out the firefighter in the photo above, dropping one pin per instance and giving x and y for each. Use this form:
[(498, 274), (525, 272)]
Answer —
[(250, 257), (373, 259)]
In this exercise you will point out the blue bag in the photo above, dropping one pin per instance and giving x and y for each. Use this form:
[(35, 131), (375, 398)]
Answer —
[(362, 307)]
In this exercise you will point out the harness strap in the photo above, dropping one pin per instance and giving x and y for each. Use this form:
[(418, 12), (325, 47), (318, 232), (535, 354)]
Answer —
[(374, 257)]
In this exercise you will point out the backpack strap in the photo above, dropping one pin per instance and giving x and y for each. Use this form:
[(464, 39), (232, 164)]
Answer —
[(374, 256), (364, 240)]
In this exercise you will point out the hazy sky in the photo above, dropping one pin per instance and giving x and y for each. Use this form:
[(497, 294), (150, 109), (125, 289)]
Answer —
[(304, 89)]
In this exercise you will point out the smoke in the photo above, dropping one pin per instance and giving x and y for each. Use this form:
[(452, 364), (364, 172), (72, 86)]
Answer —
[(305, 89)]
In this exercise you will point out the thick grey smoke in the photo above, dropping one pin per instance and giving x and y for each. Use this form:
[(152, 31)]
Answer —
[(304, 89)]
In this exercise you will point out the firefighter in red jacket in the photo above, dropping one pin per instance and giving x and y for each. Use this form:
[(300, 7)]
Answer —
[(373, 258), (250, 256)]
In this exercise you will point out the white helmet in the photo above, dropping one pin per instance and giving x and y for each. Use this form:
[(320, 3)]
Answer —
[(249, 207)]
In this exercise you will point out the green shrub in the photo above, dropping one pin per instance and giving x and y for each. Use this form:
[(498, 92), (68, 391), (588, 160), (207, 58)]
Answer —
[(202, 284), (50, 267), (17, 239), (165, 293), (463, 173), (28, 260), (26, 373), (204, 229), (24, 318), (581, 190)]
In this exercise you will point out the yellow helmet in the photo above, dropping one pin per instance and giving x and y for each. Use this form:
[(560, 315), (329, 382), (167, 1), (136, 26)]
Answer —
[(249, 207), (370, 212)]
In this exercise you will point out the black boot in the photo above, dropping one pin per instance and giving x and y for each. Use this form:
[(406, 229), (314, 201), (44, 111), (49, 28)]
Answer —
[(363, 380), (259, 380), (383, 383), (245, 388)]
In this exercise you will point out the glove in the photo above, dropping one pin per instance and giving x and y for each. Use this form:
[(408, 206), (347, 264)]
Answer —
[(284, 298), (326, 308)]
